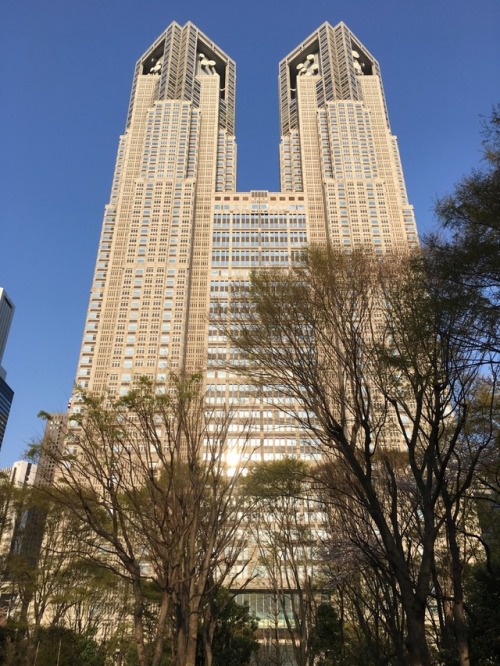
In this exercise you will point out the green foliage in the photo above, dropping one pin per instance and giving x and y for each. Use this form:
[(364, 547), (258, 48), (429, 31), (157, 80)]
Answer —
[(483, 604), (326, 636), (122, 647), (469, 257), (484, 426), (70, 647), (145, 483), (54, 645), (276, 478), (234, 640)]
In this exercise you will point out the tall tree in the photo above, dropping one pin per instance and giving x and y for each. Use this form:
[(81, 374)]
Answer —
[(464, 260), (52, 580), (467, 254), (146, 476), (355, 570), (284, 528), (234, 633), (372, 356)]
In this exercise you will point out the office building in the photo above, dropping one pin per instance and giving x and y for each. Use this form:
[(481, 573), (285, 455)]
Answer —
[(22, 524), (177, 236), (6, 393), (14, 522)]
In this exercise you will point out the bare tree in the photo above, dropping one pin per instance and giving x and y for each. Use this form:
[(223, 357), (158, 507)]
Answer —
[(355, 569), (47, 578), (145, 475), (284, 528), (370, 350)]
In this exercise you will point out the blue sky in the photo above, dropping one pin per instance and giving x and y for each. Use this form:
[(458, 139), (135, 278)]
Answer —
[(65, 76)]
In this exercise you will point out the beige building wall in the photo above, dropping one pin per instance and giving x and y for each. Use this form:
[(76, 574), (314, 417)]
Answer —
[(337, 144), (177, 236), (147, 310)]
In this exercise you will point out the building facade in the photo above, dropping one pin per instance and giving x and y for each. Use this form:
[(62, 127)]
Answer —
[(21, 475), (6, 393), (177, 236), (14, 523)]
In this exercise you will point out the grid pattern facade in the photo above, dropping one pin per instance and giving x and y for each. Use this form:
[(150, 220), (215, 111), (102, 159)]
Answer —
[(6, 397), (178, 239), (6, 393), (6, 314), (337, 144)]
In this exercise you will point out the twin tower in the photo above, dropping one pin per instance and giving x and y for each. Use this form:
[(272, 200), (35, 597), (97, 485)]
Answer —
[(176, 234)]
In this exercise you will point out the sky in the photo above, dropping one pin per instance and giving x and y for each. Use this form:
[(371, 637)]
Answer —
[(65, 74)]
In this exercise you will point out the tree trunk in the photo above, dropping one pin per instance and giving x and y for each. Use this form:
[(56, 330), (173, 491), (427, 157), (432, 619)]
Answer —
[(208, 635), (180, 636), (138, 623), (461, 633), (187, 635), (459, 621), (416, 643), (161, 628), (192, 636), (185, 654), (413, 600)]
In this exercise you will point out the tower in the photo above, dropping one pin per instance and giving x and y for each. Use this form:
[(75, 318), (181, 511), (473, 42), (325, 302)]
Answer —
[(337, 144), (177, 236), (6, 393), (152, 268)]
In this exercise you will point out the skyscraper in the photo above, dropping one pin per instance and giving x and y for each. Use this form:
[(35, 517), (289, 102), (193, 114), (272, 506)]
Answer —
[(6, 393), (176, 234)]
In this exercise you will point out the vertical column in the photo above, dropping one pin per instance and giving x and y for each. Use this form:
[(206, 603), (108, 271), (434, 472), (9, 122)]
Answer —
[(311, 158), (100, 327), (389, 166), (198, 288)]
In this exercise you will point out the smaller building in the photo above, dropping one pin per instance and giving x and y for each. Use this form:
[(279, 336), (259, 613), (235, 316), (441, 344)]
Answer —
[(6, 393), (53, 440), (6, 397), (20, 475), (13, 519)]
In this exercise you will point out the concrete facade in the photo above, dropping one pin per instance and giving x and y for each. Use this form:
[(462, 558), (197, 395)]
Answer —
[(177, 237)]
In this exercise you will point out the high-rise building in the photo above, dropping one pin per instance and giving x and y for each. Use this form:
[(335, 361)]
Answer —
[(176, 234), (22, 525), (14, 521), (6, 393)]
